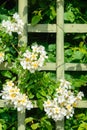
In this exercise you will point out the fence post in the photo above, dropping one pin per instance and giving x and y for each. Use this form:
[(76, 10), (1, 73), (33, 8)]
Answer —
[(60, 48)]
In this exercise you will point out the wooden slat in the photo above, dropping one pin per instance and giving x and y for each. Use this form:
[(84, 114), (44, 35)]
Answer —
[(23, 40), (67, 67), (21, 120), (75, 28), (82, 104), (60, 48), (75, 67), (53, 67), (2, 103), (51, 28), (49, 67), (60, 39), (23, 12)]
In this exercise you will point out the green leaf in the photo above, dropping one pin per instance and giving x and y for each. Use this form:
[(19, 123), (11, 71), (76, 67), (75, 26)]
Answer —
[(69, 16), (80, 115), (43, 93), (29, 119), (51, 57), (68, 52), (36, 19), (13, 128), (40, 104), (35, 126), (53, 12), (51, 47), (7, 74), (47, 124), (83, 126), (38, 95), (31, 96), (2, 16), (0, 126), (77, 55)]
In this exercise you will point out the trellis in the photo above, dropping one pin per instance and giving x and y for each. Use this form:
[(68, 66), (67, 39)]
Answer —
[(60, 67)]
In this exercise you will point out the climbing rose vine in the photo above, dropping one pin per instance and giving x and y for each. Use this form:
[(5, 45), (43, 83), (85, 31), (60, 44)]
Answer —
[(14, 25), (34, 59), (63, 102), (12, 95)]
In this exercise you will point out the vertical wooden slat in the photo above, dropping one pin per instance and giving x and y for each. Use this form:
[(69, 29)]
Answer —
[(23, 12), (60, 48), (21, 119), (60, 39)]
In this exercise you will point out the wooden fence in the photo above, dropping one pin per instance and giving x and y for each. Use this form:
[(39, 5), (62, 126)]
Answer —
[(60, 67)]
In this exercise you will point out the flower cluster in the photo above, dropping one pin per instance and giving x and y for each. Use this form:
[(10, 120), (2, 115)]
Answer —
[(14, 25), (1, 57), (33, 60), (12, 95), (63, 103)]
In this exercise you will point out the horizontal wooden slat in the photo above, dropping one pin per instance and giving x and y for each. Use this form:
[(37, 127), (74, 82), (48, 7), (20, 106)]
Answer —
[(67, 67), (42, 28), (80, 104), (49, 67), (75, 28), (2, 103), (75, 67), (51, 28), (52, 67)]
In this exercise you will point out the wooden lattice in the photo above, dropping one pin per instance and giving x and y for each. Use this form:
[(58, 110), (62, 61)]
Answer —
[(60, 67)]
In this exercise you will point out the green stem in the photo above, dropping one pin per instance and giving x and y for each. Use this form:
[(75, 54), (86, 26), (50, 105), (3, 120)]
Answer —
[(83, 19), (11, 125), (15, 48)]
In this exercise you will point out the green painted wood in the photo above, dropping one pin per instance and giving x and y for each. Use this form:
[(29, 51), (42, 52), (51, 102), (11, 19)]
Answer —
[(82, 104), (67, 67), (60, 48), (2, 103), (51, 28), (23, 12), (23, 40), (45, 28), (75, 28), (21, 120), (60, 39), (52, 66), (75, 67)]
